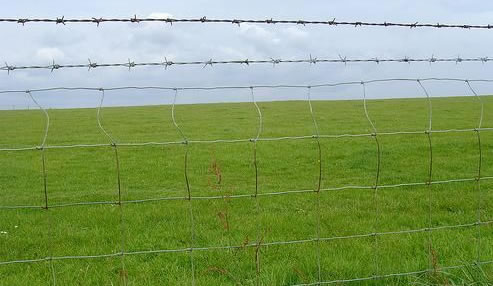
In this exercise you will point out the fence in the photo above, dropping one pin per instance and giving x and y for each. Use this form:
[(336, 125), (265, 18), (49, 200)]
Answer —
[(255, 195)]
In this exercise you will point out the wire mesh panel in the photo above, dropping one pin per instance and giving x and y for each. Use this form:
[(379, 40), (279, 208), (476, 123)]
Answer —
[(306, 192)]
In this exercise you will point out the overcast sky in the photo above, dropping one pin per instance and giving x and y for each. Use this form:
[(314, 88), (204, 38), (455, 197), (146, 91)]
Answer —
[(118, 42)]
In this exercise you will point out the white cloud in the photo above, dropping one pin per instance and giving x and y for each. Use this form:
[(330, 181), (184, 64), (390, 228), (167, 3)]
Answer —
[(49, 54), (295, 33), (117, 42), (254, 31)]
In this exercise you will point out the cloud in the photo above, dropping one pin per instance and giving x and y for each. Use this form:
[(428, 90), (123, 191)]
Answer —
[(117, 42), (49, 54), (255, 32), (295, 33)]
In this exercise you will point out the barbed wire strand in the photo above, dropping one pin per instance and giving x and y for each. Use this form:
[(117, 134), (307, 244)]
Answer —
[(49, 231), (204, 20), (255, 197), (480, 163), (430, 175), (245, 62), (187, 185), (319, 183)]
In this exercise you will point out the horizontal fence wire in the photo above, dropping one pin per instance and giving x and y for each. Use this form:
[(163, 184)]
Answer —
[(253, 195), (170, 20), (438, 269), (262, 86), (257, 245), (249, 245), (274, 61), (243, 140)]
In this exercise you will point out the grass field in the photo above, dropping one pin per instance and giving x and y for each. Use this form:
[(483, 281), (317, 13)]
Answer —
[(215, 169)]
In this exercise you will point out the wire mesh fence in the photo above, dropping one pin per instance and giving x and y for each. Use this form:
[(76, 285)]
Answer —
[(376, 232), (338, 228)]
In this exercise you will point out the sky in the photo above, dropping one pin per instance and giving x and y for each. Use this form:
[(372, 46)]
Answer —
[(117, 42)]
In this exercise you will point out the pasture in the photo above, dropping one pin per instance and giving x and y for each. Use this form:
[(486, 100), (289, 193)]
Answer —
[(281, 236)]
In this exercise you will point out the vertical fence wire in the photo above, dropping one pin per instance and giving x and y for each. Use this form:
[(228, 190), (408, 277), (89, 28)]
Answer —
[(480, 164), (259, 243), (45, 184), (99, 119), (431, 264), (257, 203), (187, 185), (319, 183), (375, 187), (123, 272)]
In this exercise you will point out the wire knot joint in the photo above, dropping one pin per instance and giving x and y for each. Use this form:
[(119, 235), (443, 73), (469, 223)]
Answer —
[(60, 20)]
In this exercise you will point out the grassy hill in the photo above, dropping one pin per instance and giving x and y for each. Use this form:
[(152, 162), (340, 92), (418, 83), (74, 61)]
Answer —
[(239, 237)]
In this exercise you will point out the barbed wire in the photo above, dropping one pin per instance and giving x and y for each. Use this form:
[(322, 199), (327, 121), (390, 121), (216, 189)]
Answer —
[(170, 20), (246, 62)]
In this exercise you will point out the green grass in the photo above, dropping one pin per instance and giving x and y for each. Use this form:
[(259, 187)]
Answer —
[(89, 174)]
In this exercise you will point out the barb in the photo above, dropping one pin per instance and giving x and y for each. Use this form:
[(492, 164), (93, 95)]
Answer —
[(310, 60), (272, 21), (91, 65)]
